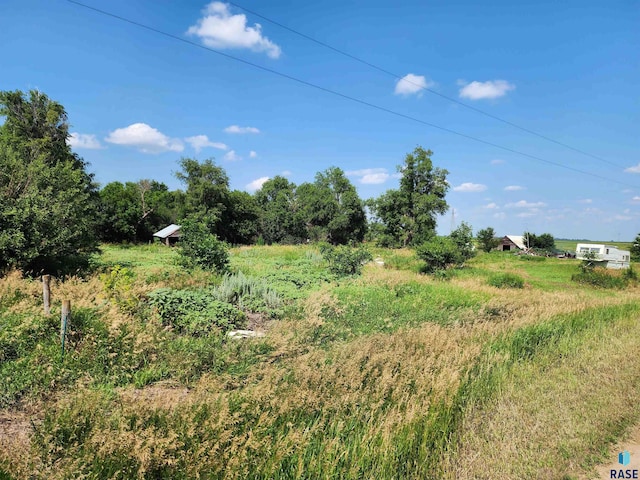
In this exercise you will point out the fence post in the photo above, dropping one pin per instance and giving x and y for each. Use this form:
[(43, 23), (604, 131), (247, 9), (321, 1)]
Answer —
[(64, 318), (46, 294)]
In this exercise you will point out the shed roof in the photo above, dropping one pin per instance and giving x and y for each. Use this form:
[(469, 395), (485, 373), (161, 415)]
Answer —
[(518, 240), (167, 231)]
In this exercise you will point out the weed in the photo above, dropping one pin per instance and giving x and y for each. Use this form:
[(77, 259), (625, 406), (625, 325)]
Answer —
[(506, 280)]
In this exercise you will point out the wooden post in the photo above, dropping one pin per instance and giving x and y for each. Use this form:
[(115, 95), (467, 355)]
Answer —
[(64, 318), (46, 294)]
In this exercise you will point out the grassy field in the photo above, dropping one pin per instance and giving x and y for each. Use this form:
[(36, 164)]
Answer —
[(505, 368), (570, 245)]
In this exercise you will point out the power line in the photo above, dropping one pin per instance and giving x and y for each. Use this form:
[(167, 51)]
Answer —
[(422, 87), (342, 95)]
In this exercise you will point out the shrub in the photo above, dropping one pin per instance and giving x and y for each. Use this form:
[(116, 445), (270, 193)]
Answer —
[(118, 286), (439, 253), (200, 248), (248, 293), (344, 260), (601, 278), (506, 280), (194, 312)]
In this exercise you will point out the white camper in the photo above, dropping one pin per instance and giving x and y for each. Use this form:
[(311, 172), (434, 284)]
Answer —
[(605, 255)]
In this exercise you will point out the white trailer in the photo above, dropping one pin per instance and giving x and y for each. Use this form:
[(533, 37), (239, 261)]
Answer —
[(604, 255)]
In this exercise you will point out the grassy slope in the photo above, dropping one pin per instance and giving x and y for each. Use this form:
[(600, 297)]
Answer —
[(392, 375)]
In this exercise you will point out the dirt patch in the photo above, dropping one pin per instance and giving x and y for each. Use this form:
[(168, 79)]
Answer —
[(631, 445), (15, 430), (258, 322)]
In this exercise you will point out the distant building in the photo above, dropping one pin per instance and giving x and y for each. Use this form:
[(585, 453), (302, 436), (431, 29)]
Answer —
[(169, 235), (512, 242), (604, 255)]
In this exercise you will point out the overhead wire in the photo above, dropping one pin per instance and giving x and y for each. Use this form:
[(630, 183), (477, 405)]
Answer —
[(342, 95)]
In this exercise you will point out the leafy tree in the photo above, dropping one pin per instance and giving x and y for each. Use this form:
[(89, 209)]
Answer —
[(541, 242), (47, 198), (207, 191), (635, 248), (332, 208), (281, 220), (409, 214), (463, 238), (200, 248), (487, 239), (344, 260), (240, 219)]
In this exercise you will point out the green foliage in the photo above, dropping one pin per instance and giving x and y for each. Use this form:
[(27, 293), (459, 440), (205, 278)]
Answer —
[(487, 239), (532, 258), (118, 285), (240, 220), (344, 260), (332, 209), (635, 249), (439, 253), (463, 238), (194, 312), (248, 293), (544, 242), (281, 220), (506, 280), (200, 248), (47, 199), (409, 213), (601, 278)]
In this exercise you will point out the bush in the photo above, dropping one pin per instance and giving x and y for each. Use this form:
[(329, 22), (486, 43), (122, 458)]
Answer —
[(248, 293), (506, 280), (439, 253), (118, 286), (194, 312), (344, 260), (601, 278), (200, 248)]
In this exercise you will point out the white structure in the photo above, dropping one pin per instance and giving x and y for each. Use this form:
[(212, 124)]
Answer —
[(605, 255), (169, 234)]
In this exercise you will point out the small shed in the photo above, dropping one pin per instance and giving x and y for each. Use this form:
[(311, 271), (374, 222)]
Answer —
[(170, 234), (512, 243)]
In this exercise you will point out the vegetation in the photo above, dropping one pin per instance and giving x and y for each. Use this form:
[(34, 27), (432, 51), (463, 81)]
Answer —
[(344, 260), (47, 199), (200, 248), (487, 239), (506, 280)]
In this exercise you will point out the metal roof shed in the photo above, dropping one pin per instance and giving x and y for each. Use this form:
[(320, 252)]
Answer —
[(169, 234)]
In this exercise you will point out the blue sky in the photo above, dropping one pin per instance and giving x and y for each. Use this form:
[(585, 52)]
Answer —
[(138, 101)]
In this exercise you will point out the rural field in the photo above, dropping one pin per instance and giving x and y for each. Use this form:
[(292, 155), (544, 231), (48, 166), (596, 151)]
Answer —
[(505, 368)]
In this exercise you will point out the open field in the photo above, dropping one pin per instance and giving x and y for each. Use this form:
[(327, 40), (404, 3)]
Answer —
[(570, 245), (392, 374)]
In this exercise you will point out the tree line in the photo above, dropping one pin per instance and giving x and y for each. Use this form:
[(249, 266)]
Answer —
[(53, 214)]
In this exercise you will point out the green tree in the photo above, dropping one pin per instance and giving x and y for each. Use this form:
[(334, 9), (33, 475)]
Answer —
[(207, 191), (47, 198), (409, 214), (240, 219), (540, 242), (463, 238), (200, 248), (281, 220), (635, 248), (439, 253), (487, 239), (332, 208)]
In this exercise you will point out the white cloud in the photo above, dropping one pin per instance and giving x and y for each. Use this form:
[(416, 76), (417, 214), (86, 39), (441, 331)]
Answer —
[(470, 187), (500, 215), (525, 204), (531, 213), (370, 176), (145, 138), (488, 89), (491, 206), (586, 200), (253, 154), (232, 156), (497, 161), (256, 184), (635, 169), (286, 173), (238, 129), (198, 142), (513, 188), (622, 217), (83, 140), (412, 84), (218, 28), (636, 199)]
